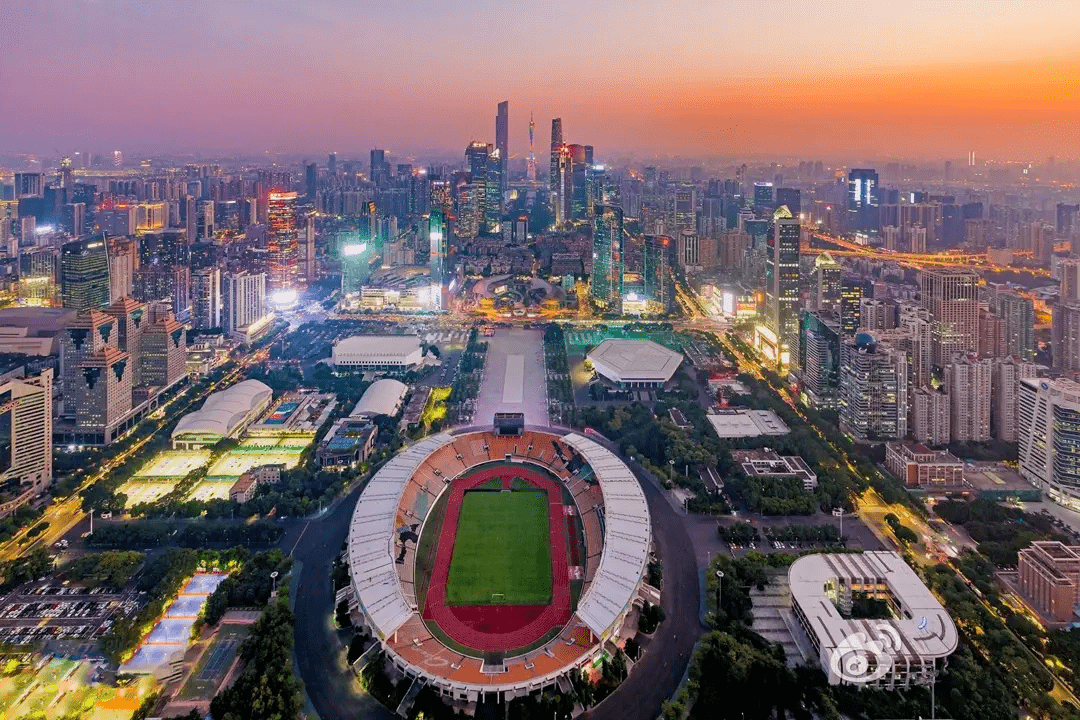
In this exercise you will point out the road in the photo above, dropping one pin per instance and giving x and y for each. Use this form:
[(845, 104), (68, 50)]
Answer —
[(657, 676), (330, 684)]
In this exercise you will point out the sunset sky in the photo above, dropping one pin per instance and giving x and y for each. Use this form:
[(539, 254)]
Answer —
[(768, 77)]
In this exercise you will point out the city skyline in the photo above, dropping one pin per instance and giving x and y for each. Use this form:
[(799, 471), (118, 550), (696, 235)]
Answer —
[(674, 80)]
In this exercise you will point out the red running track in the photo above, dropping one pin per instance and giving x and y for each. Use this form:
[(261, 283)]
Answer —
[(500, 628)]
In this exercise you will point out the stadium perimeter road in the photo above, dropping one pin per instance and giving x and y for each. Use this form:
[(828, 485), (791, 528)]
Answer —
[(658, 674), (331, 685)]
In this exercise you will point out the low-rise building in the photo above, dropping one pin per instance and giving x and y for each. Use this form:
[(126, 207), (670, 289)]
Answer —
[(769, 463), (917, 466), (245, 486), (350, 440), (1050, 578)]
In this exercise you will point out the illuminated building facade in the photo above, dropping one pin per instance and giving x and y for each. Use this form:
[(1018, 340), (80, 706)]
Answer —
[(283, 245), (1048, 433), (782, 279), (873, 389), (862, 201), (84, 274), (607, 269), (656, 274)]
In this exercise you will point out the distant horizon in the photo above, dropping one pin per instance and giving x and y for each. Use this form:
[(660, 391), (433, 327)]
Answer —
[(831, 79)]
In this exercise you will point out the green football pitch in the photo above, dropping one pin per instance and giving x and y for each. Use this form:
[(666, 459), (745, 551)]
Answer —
[(502, 553)]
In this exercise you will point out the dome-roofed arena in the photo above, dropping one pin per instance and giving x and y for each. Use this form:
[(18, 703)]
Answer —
[(493, 565)]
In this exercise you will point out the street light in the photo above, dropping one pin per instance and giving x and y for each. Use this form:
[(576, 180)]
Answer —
[(273, 580), (719, 584)]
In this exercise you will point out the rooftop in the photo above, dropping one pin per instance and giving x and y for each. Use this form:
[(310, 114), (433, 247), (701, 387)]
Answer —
[(635, 359), (740, 422)]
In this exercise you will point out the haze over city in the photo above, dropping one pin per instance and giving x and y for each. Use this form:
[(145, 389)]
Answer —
[(916, 79), (586, 360)]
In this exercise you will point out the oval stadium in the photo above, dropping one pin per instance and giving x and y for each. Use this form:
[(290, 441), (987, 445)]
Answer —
[(489, 566)]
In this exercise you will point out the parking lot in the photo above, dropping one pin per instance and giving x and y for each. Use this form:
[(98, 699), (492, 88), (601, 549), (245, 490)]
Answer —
[(48, 611)]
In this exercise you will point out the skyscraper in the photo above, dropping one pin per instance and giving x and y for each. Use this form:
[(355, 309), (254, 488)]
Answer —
[(311, 179), (827, 276), (206, 298), (84, 274), (819, 358), (1018, 314), (951, 297), (556, 146), (607, 270), (862, 202), (438, 244), (656, 273), (502, 143), (483, 171), (97, 379), (852, 290), (283, 247), (873, 389), (782, 279)]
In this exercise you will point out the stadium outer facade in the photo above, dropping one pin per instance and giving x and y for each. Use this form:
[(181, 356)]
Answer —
[(617, 539)]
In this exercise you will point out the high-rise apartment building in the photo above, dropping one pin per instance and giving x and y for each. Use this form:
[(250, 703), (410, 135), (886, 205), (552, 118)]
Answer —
[(1048, 433), (26, 417), (607, 265), (283, 246), (1008, 372), (876, 314), (1065, 337), (968, 381), (206, 298), (1018, 315), (1069, 274), (243, 304), (483, 178), (84, 274), (123, 260), (930, 416), (951, 296), (782, 279)]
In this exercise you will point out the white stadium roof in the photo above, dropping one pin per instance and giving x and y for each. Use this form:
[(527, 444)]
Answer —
[(392, 348), (926, 632), (634, 360), (627, 536), (371, 538), (224, 410), (381, 398)]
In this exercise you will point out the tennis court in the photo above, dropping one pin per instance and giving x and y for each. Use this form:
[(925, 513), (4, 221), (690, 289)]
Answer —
[(145, 491), (212, 490), (214, 664), (173, 464)]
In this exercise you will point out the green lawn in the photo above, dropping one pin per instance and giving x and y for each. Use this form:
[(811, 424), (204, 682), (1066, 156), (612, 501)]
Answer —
[(502, 546)]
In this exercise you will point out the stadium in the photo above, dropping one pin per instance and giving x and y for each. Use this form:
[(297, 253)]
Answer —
[(490, 566)]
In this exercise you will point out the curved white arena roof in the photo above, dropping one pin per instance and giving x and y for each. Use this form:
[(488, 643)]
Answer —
[(371, 538), (634, 361), (224, 410), (381, 398), (627, 536), (925, 632)]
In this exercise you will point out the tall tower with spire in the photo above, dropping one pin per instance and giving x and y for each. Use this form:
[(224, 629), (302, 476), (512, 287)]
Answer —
[(531, 170)]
